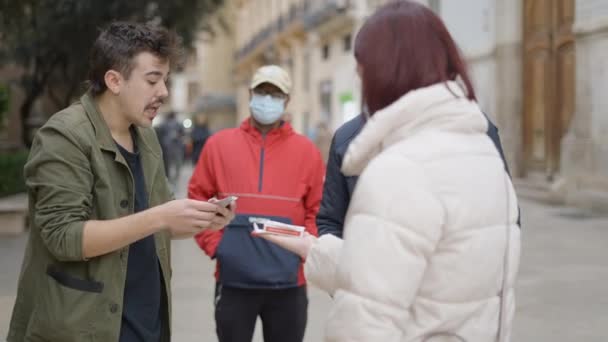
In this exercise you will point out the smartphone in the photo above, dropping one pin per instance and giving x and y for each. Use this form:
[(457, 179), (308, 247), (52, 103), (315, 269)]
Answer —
[(225, 202)]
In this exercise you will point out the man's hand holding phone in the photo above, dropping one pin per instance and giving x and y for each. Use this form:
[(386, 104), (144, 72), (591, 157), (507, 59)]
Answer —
[(225, 202), (226, 208)]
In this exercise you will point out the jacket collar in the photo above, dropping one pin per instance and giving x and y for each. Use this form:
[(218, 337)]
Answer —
[(102, 131), (285, 129), (442, 106), (104, 136)]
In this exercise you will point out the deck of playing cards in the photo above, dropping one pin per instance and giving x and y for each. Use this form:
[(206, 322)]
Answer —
[(266, 226)]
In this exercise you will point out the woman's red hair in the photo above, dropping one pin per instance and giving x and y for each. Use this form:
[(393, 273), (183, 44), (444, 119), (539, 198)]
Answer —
[(404, 46)]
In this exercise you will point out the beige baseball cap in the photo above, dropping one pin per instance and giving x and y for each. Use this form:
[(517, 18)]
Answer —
[(274, 75)]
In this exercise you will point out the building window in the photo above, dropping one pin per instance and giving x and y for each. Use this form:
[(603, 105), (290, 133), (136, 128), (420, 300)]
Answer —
[(435, 5), (347, 42), (325, 101), (289, 64), (306, 78), (325, 52)]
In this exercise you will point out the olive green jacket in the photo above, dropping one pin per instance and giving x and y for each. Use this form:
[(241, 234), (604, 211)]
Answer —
[(75, 173)]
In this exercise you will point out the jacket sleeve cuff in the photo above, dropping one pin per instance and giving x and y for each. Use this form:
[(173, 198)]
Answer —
[(67, 245), (322, 261), (75, 251)]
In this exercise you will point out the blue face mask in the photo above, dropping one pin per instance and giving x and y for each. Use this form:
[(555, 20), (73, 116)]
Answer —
[(266, 109)]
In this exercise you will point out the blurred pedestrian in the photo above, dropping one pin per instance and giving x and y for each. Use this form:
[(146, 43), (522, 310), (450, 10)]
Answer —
[(323, 138), (433, 197), (277, 174), (172, 142), (97, 263), (199, 135)]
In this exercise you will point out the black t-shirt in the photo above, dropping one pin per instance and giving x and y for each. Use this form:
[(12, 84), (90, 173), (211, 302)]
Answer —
[(142, 304)]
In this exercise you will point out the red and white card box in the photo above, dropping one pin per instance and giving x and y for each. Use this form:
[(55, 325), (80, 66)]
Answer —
[(266, 226)]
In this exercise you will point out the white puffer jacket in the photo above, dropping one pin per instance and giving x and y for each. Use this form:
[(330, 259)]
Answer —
[(425, 234)]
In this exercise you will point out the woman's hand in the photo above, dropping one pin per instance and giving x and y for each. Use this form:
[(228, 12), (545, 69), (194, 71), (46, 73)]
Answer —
[(298, 245)]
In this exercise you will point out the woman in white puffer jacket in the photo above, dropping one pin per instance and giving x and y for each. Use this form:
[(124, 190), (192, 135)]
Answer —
[(431, 244)]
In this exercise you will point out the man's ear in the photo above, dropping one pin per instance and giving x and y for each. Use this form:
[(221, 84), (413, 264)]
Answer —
[(287, 100), (113, 80)]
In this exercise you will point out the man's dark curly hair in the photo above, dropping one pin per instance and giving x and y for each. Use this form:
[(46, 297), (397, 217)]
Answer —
[(120, 42)]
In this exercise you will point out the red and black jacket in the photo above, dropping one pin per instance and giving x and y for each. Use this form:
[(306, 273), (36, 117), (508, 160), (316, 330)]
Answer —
[(277, 176)]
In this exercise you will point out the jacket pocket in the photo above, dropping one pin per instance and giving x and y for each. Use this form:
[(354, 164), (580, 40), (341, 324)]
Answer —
[(72, 282), (251, 262), (67, 308)]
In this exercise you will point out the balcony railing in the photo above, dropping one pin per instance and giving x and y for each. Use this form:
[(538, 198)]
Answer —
[(322, 11), (310, 12)]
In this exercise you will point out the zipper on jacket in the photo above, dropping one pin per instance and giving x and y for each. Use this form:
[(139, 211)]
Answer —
[(262, 152)]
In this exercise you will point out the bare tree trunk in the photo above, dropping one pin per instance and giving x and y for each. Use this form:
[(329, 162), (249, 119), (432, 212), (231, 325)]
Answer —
[(69, 94), (34, 88), (26, 109)]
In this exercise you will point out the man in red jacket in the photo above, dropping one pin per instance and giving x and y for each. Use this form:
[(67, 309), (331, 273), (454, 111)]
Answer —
[(276, 174)]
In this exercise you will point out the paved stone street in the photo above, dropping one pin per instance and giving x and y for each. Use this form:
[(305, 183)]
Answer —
[(562, 291)]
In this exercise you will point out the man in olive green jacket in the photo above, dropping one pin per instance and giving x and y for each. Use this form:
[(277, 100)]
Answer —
[(97, 264)]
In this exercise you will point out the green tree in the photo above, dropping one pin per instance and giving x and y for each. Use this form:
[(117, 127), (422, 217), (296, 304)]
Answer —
[(50, 39)]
